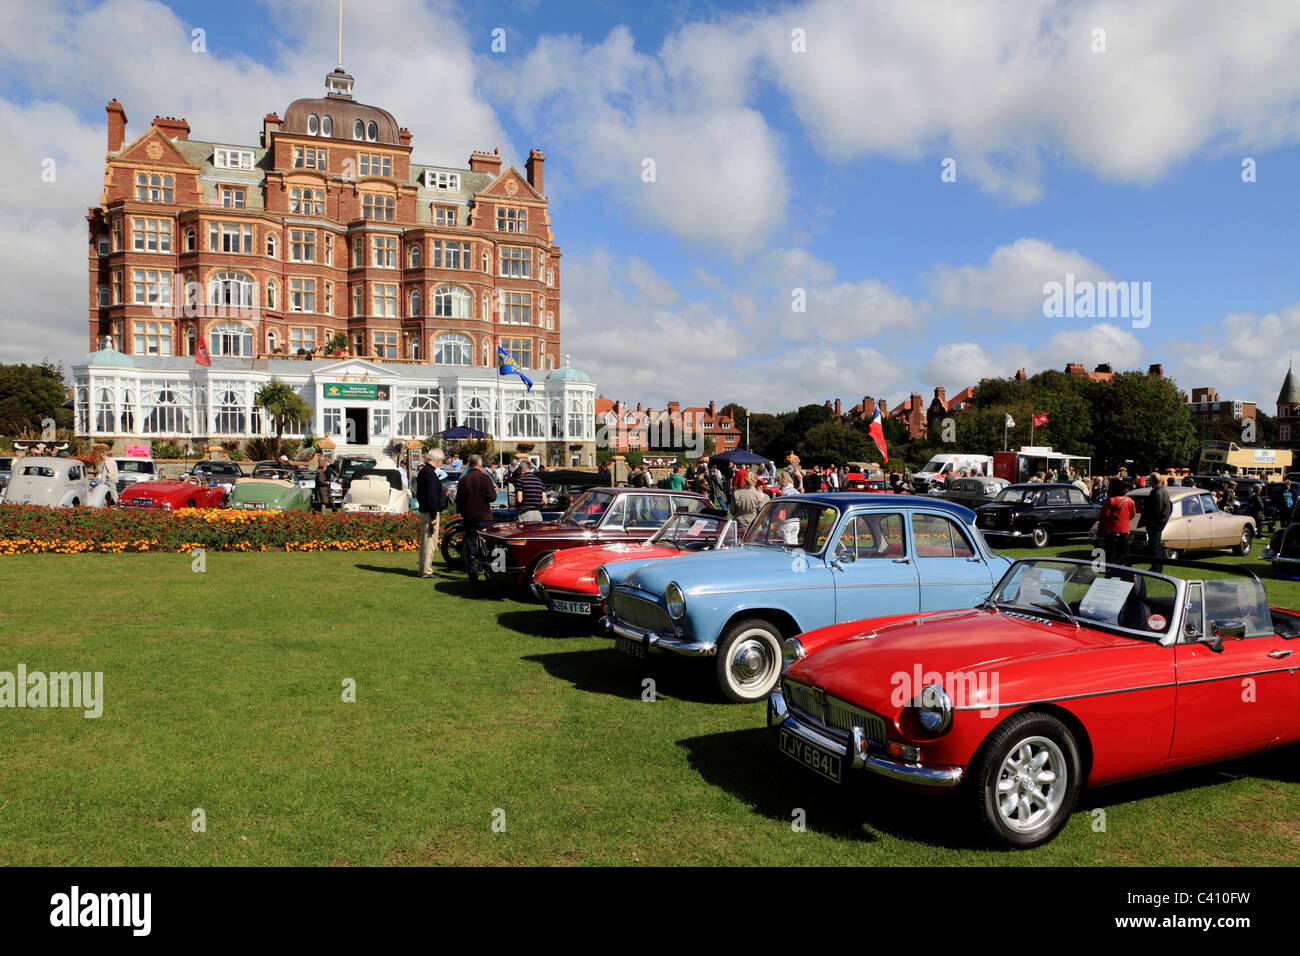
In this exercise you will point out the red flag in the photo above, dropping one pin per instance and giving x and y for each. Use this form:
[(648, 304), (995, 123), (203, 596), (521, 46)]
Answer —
[(877, 431), (201, 356), (1040, 421)]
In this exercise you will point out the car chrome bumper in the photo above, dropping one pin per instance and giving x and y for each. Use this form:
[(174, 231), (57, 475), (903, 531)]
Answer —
[(658, 641), (860, 758)]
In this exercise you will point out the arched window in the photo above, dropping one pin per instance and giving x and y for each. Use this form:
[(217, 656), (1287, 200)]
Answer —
[(83, 409), (167, 415), (451, 302), (154, 188), (189, 240), (193, 296), (313, 124), (415, 348), (128, 410), (526, 418), (478, 414), (485, 313), (231, 339), (105, 413), (230, 289), (270, 246), (415, 303), (191, 341), (420, 413), (270, 294), (271, 342), (413, 257), (453, 350), (359, 130), (230, 413), (372, 131), (327, 125)]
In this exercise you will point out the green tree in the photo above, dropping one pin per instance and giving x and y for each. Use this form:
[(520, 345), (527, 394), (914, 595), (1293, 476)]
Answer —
[(284, 405), (834, 443), (1141, 419), (29, 394)]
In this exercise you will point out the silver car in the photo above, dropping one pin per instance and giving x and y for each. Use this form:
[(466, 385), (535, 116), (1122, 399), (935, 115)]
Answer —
[(55, 483)]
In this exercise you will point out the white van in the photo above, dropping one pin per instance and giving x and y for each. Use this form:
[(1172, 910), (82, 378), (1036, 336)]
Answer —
[(938, 468)]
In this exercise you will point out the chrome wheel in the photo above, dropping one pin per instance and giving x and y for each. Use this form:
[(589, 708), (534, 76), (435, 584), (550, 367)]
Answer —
[(1032, 783), (1042, 537), (749, 661), (1243, 546)]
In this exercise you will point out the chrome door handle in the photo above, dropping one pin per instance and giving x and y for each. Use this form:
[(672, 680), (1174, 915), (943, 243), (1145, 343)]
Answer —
[(902, 560), (1279, 653)]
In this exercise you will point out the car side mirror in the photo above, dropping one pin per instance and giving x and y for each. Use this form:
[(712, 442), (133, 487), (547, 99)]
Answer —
[(1233, 629), (1214, 642), (844, 556)]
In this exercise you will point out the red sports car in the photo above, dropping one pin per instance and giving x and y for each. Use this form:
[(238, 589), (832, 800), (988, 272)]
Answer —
[(173, 495), (1071, 674), (565, 581), (508, 552)]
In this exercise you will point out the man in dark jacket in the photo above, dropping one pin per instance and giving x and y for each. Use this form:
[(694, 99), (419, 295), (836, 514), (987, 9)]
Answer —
[(474, 497), (321, 494), (428, 491), (1155, 515)]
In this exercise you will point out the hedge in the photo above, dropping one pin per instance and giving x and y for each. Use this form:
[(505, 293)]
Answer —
[(27, 529)]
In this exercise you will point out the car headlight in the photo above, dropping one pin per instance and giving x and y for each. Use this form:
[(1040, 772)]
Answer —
[(602, 581), (934, 709), (675, 600), (545, 562), (791, 651)]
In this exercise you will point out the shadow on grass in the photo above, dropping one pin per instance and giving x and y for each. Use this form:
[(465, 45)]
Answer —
[(1280, 765), (606, 671), (538, 621), (749, 765), (379, 569), (462, 587)]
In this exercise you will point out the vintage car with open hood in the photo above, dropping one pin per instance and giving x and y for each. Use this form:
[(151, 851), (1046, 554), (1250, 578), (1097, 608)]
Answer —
[(565, 581), (1072, 674), (806, 561), (509, 552), (164, 495), (378, 491), (55, 483)]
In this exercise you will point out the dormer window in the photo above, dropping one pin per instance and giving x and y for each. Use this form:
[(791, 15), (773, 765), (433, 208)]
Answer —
[(327, 126), (313, 124), (372, 131), (433, 179), (359, 130)]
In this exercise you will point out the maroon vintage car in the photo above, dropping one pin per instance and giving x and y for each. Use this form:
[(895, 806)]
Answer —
[(508, 552)]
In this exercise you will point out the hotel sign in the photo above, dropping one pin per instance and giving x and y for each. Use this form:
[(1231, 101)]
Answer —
[(363, 391)]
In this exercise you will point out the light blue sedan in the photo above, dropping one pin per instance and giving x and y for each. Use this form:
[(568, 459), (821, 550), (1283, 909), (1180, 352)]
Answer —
[(806, 562)]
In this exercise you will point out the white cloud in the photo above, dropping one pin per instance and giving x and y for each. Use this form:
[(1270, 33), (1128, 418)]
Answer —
[(1245, 357), (1010, 285)]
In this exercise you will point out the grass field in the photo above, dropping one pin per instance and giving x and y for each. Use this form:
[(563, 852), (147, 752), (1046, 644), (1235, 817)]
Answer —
[(223, 691)]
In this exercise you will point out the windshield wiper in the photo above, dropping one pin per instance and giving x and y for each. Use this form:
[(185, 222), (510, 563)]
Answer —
[(1042, 608)]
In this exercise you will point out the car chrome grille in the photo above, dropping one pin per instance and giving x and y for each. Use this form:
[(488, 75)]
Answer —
[(640, 613), (833, 714)]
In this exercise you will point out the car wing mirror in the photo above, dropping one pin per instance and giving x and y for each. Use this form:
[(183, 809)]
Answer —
[(843, 556), (1233, 629), (1214, 642)]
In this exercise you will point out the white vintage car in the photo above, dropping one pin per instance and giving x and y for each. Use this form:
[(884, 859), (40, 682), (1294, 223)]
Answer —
[(55, 483), (377, 490)]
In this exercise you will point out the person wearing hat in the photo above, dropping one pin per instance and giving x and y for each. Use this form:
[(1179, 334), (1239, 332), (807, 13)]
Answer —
[(429, 493), (288, 468)]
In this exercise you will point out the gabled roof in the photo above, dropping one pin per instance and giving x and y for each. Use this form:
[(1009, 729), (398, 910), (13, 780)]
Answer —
[(142, 150), (499, 187)]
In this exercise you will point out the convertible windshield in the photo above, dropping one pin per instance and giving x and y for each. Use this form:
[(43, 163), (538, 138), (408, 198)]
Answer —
[(588, 509), (786, 523), (1135, 601), (135, 466), (689, 532)]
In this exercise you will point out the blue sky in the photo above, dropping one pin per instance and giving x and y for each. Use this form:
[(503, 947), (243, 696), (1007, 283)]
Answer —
[(777, 170)]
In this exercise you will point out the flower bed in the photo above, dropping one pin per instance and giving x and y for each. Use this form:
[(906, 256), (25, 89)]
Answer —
[(26, 529)]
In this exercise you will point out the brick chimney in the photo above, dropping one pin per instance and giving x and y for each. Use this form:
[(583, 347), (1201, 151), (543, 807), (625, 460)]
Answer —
[(482, 162), (270, 124), (712, 413), (674, 409), (1021, 376), (838, 412), (941, 396), (881, 406), (173, 128), (534, 169), (404, 135), (116, 125), (1157, 370), (1104, 367), (1074, 368)]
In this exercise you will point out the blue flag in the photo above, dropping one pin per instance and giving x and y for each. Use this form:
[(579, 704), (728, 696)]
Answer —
[(506, 366)]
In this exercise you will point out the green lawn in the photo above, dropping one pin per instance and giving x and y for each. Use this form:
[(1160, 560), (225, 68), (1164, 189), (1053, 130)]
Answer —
[(223, 692)]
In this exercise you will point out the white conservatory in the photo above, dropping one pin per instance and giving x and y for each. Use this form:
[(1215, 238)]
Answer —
[(356, 402)]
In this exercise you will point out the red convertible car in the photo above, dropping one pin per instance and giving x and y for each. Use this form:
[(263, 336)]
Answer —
[(565, 581), (173, 495), (509, 552), (1070, 675)]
